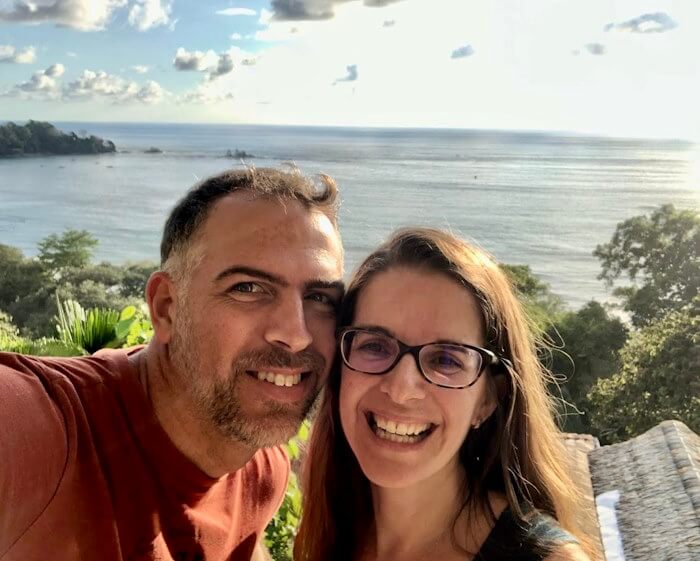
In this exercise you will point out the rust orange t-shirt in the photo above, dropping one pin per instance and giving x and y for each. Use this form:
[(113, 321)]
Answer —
[(87, 472)]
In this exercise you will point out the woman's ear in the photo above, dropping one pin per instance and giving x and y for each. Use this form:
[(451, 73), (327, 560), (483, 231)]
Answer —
[(490, 400), (161, 300)]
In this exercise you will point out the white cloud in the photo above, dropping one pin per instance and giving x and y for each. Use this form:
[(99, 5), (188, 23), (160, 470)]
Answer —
[(88, 15), (223, 66), (55, 70), (140, 69), (463, 52), (658, 22), (595, 48), (151, 92), (351, 75), (41, 85), (91, 85), (8, 53), (205, 94), (265, 17), (71, 54), (195, 60), (237, 12), (85, 15), (236, 36), (146, 14), (300, 10)]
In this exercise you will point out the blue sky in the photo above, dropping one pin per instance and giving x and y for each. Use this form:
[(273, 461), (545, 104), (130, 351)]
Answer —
[(618, 67)]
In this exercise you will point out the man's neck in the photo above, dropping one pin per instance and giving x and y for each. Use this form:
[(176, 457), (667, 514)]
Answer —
[(196, 438)]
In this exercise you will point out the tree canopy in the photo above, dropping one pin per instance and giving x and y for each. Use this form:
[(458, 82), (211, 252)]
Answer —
[(38, 137), (73, 248), (660, 253), (659, 379)]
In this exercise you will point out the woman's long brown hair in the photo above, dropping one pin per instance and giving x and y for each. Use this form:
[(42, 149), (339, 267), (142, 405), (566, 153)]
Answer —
[(519, 447)]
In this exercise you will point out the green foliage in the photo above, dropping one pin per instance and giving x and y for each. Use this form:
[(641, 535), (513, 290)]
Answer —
[(661, 255), (659, 379), (541, 305), (72, 249), (134, 327), (91, 330), (42, 347), (282, 529), (589, 344), (29, 287), (37, 137), (9, 334)]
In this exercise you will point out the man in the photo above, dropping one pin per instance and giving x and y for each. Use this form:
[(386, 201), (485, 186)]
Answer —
[(171, 452)]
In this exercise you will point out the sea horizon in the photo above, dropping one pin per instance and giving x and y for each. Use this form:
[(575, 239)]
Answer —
[(536, 198)]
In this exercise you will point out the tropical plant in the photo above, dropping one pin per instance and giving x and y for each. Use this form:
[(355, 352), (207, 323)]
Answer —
[(91, 329)]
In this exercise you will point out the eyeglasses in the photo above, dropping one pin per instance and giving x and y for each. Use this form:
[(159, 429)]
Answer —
[(448, 365)]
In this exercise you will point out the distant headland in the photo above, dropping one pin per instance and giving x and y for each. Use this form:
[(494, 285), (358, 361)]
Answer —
[(40, 138)]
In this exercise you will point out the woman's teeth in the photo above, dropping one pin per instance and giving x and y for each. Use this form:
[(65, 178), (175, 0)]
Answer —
[(278, 379), (399, 432)]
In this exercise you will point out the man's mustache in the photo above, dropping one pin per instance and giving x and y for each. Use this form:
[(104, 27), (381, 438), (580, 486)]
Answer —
[(274, 357)]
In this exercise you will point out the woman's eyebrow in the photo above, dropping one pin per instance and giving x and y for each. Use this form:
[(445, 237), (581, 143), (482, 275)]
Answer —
[(376, 329)]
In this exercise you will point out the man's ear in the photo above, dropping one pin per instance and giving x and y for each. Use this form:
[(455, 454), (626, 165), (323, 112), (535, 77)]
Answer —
[(162, 301)]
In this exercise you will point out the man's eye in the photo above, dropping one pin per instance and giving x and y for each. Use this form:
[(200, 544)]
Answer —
[(323, 299), (246, 287)]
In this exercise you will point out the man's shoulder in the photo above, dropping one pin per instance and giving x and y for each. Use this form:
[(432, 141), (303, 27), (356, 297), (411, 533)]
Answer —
[(270, 464), (81, 371), (266, 476)]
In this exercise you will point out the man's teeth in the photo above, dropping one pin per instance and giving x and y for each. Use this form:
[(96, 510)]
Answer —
[(279, 379), (400, 429)]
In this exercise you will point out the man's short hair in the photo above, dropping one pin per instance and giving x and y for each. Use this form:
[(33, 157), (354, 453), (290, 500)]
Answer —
[(268, 183)]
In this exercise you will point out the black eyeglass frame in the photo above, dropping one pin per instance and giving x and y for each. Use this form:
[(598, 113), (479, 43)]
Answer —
[(488, 358)]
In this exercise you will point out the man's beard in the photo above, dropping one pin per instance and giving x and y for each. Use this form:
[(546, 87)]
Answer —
[(218, 401)]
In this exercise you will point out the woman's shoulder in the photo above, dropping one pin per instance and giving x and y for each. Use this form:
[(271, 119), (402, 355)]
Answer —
[(568, 552), (534, 537)]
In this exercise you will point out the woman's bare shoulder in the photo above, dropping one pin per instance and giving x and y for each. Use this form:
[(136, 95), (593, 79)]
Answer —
[(568, 552)]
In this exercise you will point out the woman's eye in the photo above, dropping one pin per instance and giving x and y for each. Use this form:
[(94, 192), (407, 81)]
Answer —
[(375, 347)]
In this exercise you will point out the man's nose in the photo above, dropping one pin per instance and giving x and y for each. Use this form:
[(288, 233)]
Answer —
[(404, 382), (286, 326)]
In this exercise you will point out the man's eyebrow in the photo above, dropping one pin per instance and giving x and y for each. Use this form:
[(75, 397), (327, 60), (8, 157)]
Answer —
[(324, 284), (251, 272)]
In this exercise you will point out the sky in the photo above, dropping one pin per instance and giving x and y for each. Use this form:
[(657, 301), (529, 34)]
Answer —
[(611, 67)]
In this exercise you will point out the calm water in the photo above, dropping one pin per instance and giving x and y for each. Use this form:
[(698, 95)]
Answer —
[(540, 199)]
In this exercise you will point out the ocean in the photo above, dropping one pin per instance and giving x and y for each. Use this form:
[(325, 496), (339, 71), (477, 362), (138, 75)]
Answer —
[(540, 199)]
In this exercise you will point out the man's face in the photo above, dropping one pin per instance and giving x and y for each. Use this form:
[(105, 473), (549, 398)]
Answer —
[(253, 332)]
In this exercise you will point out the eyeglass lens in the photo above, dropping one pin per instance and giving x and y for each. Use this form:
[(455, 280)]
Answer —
[(443, 364)]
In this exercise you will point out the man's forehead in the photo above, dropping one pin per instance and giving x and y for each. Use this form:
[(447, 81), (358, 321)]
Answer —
[(267, 229)]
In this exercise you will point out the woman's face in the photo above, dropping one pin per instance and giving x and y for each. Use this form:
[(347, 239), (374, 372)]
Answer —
[(416, 307)]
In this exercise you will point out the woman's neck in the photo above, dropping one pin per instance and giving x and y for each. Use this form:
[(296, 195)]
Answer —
[(417, 521), (427, 521)]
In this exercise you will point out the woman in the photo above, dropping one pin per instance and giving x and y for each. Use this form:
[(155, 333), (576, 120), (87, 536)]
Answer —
[(435, 439)]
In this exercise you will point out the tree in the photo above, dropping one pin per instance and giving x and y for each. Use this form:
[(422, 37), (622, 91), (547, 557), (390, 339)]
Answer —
[(73, 248), (541, 305), (659, 379), (661, 255), (586, 348)]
